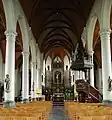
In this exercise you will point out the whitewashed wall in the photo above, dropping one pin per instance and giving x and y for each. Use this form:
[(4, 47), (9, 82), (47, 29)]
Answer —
[(2, 68), (17, 83), (66, 72), (48, 62), (48, 72)]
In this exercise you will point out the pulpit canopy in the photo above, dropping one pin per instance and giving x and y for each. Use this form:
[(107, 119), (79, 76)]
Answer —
[(83, 60)]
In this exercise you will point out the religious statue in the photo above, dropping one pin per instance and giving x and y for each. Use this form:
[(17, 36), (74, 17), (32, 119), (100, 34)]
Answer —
[(109, 84), (57, 76), (7, 81)]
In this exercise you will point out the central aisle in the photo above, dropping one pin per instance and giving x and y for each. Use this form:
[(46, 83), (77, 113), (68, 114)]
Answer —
[(58, 113)]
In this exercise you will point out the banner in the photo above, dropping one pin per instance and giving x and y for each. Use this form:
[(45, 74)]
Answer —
[(75, 93)]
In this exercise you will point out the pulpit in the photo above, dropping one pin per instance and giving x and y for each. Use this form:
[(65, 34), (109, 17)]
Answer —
[(83, 62), (87, 93)]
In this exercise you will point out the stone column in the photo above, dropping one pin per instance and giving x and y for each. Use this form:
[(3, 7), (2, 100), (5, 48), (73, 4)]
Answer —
[(82, 75), (71, 76), (74, 76), (100, 87), (16, 83), (106, 64), (92, 70), (25, 77), (3, 71), (39, 73), (33, 80), (44, 73), (9, 83), (77, 76), (39, 79), (1, 66)]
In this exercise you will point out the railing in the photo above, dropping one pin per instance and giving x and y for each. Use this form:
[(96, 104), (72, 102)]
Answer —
[(95, 94), (92, 94)]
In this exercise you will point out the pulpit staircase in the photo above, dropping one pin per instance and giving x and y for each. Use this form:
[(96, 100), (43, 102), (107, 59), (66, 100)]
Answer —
[(87, 93)]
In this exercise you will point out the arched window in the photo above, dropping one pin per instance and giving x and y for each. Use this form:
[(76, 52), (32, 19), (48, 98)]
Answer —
[(66, 67), (73, 78), (42, 78), (48, 67)]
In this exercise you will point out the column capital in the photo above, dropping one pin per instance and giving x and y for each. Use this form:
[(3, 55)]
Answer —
[(38, 67), (91, 52), (105, 32), (34, 63), (25, 53), (29, 28), (10, 33), (38, 61)]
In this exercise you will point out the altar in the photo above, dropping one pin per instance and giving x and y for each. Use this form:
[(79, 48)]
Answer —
[(58, 97)]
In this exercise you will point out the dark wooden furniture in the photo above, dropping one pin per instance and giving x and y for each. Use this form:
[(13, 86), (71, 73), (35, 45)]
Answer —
[(58, 99), (87, 93)]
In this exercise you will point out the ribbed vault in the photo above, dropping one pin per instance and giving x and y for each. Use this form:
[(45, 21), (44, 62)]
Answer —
[(57, 23)]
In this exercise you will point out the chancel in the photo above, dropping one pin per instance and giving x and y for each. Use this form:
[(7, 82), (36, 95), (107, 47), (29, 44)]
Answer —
[(55, 59)]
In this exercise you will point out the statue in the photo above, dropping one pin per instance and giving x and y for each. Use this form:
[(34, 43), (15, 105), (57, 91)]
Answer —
[(7, 81), (109, 84), (57, 76)]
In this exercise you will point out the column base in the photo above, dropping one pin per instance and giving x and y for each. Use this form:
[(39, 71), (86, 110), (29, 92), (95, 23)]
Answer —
[(107, 102), (33, 99), (9, 104), (38, 99), (25, 100)]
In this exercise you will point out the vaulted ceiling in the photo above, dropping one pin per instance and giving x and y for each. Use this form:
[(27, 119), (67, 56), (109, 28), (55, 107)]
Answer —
[(18, 45), (57, 23), (57, 26)]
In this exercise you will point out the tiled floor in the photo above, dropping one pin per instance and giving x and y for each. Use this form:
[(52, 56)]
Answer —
[(58, 113)]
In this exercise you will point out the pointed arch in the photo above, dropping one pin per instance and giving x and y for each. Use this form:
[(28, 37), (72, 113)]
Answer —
[(33, 48), (25, 33), (66, 62), (48, 63), (90, 32), (104, 17)]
